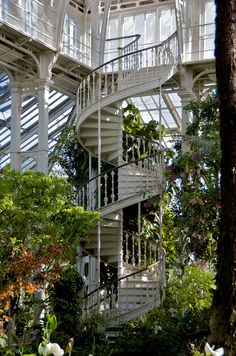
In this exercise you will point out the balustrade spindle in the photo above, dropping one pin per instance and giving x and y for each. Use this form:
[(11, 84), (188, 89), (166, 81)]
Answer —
[(112, 186), (138, 146), (88, 90), (145, 253), (126, 248), (127, 143), (147, 62), (105, 85), (133, 256), (152, 57), (99, 89), (144, 146), (105, 189), (134, 291), (127, 293), (93, 87), (80, 98), (143, 292), (141, 60), (84, 94), (133, 148), (112, 79), (139, 251)]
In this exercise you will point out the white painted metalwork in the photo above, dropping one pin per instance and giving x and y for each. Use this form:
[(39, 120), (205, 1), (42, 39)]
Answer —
[(131, 179), (130, 70), (130, 296)]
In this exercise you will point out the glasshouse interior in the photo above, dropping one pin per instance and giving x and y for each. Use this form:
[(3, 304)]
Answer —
[(112, 80)]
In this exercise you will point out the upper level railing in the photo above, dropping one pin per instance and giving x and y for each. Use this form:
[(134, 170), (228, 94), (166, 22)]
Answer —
[(107, 78), (198, 42), (39, 18), (113, 48), (109, 299), (113, 185), (77, 44), (35, 18)]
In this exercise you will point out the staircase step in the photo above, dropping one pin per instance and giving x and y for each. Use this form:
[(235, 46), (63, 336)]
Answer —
[(106, 118), (111, 229), (93, 132), (107, 252), (111, 110), (105, 245), (130, 295), (108, 148), (93, 141), (104, 239)]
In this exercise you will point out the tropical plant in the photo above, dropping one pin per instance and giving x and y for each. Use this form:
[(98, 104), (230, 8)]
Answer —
[(193, 184), (39, 232)]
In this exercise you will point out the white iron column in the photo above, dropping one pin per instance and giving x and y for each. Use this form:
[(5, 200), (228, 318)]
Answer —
[(99, 189), (186, 95), (16, 101), (95, 31), (103, 30), (161, 166), (43, 100)]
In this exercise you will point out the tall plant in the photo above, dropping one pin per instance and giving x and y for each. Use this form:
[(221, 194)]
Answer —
[(39, 231)]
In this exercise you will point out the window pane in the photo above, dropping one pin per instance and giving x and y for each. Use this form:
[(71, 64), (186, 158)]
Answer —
[(150, 27), (140, 27), (128, 26)]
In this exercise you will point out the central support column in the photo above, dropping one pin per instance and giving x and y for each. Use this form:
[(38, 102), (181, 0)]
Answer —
[(16, 101), (43, 101), (186, 95)]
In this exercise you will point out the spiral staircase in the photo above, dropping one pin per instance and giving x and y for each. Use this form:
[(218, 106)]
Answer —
[(136, 175)]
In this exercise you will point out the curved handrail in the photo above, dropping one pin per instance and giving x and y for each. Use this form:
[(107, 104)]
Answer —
[(114, 168), (137, 37), (140, 67), (123, 56), (123, 277), (114, 186)]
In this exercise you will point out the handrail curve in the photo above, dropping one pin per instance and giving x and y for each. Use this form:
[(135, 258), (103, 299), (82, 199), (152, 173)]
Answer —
[(137, 37), (124, 55), (124, 277), (135, 178), (154, 56), (108, 299)]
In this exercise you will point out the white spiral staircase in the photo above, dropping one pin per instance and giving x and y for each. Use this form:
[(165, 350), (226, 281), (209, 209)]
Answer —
[(136, 176)]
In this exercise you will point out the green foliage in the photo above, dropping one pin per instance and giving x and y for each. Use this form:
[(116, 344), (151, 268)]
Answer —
[(193, 184), (177, 327), (191, 290), (133, 124), (3, 340), (36, 212), (73, 158), (49, 327), (65, 300), (39, 231)]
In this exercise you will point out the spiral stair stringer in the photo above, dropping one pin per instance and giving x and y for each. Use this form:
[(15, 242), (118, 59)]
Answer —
[(140, 283)]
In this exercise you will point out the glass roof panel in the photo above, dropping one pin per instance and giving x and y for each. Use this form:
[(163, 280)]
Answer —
[(149, 109)]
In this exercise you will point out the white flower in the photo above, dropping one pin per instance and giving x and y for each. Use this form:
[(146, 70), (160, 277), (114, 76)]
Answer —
[(50, 349), (211, 352)]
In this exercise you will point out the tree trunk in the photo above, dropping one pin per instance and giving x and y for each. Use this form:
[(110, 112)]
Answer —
[(223, 323)]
